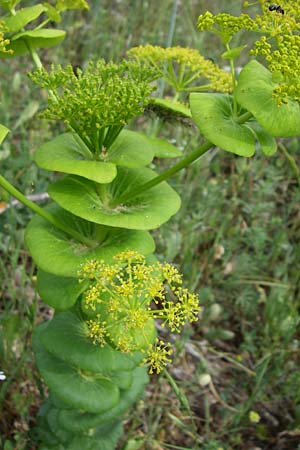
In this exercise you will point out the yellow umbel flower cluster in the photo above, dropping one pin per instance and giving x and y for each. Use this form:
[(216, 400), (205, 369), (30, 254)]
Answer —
[(181, 67), (280, 46), (125, 297), (225, 25)]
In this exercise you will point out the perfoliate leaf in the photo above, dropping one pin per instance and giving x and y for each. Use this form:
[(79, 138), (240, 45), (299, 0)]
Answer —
[(78, 422), (66, 337), (132, 149), (213, 115), (52, 12), (254, 92), (68, 153), (40, 38), (55, 252), (144, 212), (23, 17), (59, 292), (103, 438), (76, 388)]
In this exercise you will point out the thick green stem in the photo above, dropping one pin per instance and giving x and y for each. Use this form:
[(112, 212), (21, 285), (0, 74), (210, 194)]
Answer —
[(233, 76), (43, 213), (165, 175)]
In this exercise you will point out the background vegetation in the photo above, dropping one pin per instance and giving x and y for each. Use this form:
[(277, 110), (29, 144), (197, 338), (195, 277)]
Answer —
[(236, 239)]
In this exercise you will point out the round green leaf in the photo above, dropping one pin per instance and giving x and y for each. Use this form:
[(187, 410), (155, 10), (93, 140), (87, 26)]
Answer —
[(40, 38), (254, 92), (60, 293), (66, 337), (103, 438), (213, 115), (130, 149), (233, 52), (122, 378), (82, 390), (22, 17), (55, 252), (68, 153), (53, 424), (78, 422), (147, 211)]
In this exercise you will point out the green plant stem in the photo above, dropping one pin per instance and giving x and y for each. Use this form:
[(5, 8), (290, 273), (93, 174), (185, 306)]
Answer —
[(232, 70), (165, 175), (43, 213), (292, 163), (35, 57)]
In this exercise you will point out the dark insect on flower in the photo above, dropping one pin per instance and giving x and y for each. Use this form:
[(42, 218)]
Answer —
[(276, 8)]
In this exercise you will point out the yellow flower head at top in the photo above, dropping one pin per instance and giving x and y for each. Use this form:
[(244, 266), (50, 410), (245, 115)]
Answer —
[(181, 67), (124, 298)]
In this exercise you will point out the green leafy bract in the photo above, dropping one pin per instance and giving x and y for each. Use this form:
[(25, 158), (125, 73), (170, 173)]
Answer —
[(66, 337), (103, 438), (55, 252), (254, 92), (132, 149), (78, 422), (146, 211), (59, 292), (23, 17), (68, 153), (39, 38), (213, 115)]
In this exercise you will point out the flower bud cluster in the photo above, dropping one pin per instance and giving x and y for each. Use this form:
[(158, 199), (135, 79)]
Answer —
[(103, 95), (125, 297), (187, 62)]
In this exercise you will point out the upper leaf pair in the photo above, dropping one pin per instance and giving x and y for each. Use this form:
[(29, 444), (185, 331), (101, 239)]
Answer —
[(214, 114)]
